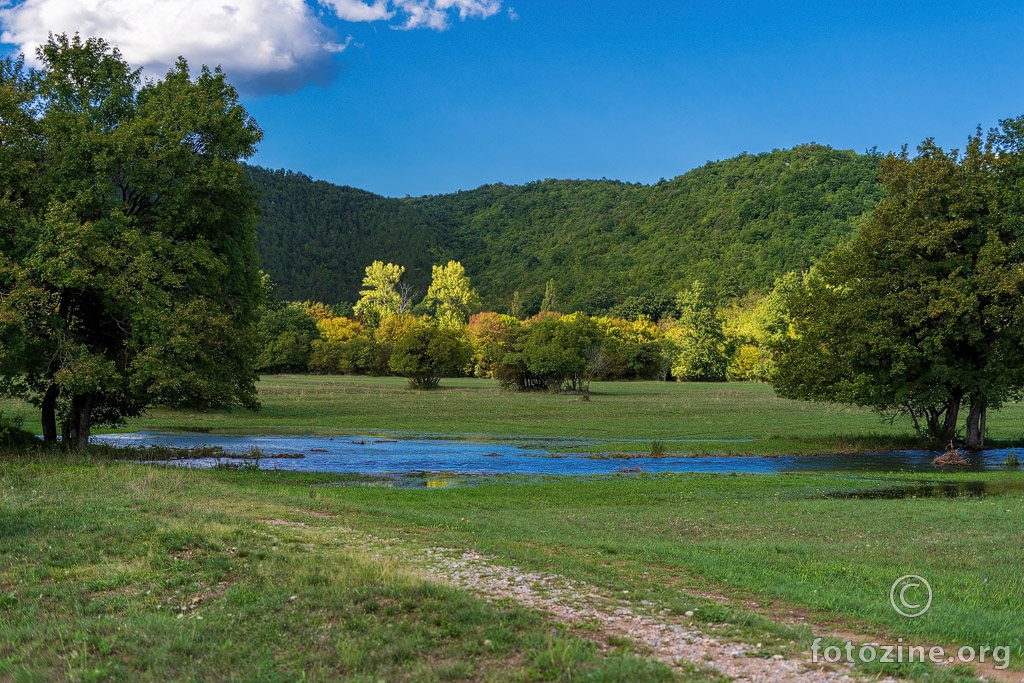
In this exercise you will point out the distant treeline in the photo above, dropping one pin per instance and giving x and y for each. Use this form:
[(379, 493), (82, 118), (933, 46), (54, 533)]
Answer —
[(444, 335), (735, 225)]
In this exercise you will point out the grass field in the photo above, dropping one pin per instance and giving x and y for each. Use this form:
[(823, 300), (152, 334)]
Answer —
[(120, 572), (115, 570), (711, 414), (112, 570)]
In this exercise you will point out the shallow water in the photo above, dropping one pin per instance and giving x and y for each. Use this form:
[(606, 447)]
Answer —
[(377, 455)]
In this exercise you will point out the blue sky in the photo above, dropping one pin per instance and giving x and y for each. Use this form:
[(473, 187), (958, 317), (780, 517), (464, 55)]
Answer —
[(413, 98)]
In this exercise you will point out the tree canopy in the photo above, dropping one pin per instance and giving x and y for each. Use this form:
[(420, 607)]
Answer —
[(450, 296), (426, 352), (923, 309), (380, 297), (315, 237), (698, 338), (128, 269)]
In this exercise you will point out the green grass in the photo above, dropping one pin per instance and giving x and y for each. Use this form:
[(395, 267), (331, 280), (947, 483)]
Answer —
[(774, 539), (115, 570), (126, 572), (711, 416), (106, 569)]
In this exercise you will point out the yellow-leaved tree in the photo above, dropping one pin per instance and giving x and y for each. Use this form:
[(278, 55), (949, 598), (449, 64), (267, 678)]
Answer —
[(379, 298), (450, 296)]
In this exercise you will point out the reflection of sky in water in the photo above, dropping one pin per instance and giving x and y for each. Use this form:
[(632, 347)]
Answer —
[(376, 455)]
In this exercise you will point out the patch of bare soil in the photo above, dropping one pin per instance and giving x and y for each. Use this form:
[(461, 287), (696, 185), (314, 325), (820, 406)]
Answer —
[(321, 515), (186, 554)]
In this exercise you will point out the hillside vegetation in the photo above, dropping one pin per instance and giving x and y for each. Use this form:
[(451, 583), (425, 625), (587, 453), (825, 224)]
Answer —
[(735, 224), (315, 239)]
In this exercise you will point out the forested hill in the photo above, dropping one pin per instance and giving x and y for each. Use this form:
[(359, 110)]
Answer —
[(315, 239), (735, 224)]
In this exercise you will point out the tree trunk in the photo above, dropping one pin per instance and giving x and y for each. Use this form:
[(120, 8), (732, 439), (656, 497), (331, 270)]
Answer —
[(65, 427), (78, 423), (84, 423), (932, 416), (984, 414), (952, 415), (942, 421), (49, 414), (975, 439)]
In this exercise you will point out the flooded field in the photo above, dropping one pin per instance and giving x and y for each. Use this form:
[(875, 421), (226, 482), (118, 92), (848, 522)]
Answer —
[(528, 455)]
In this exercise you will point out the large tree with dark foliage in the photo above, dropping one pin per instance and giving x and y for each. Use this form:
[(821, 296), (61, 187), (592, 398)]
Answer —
[(128, 270), (924, 310)]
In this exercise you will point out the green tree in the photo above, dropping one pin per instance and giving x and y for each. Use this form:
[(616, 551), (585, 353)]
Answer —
[(128, 274), (450, 297), (922, 311), (515, 309), (697, 338), (487, 334), (380, 297), (632, 348), (564, 352), (286, 333), (428, 352), (651, 306), (754, 326), (508, 365), (333, 351), (549, 303)]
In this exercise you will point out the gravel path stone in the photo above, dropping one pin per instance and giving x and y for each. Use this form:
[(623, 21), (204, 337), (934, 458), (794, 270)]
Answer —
[(670, 639)]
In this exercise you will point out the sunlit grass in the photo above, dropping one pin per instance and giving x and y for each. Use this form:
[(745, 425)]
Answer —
[(694, 418), (128, 572), (139, 571), (779, 540)]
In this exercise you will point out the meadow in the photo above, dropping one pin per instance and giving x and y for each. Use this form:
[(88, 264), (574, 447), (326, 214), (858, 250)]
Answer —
[(116, 570), (712, 416)]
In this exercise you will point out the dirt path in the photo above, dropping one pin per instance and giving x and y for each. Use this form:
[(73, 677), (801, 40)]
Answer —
[(670, 639)]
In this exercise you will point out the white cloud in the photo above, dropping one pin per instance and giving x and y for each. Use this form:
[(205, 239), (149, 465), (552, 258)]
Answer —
[(263, 45), (435, 13), (339, 47), (355, 10)]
